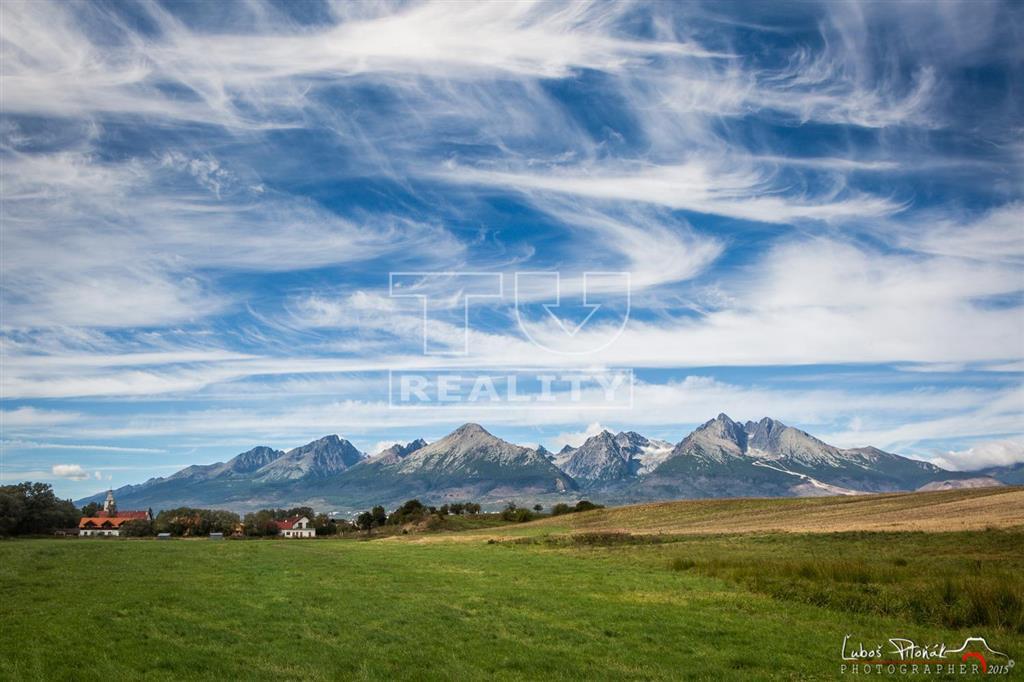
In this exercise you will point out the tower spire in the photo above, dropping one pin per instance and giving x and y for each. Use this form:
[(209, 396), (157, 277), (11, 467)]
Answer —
[(110, 506)]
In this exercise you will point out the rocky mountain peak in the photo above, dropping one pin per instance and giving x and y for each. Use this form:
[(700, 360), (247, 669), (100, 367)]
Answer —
[(725, 429), (600, 458), (763, 435), (321, 457), (251, 460), (470, 430), (398, 451), (631, 439), (332, 446), (413, 446)]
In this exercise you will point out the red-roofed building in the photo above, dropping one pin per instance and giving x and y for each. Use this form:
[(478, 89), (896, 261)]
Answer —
[(295, 527), (110, 520), (123, 515)]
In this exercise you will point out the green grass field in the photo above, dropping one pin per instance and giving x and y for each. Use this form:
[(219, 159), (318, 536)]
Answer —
[(598, 606)]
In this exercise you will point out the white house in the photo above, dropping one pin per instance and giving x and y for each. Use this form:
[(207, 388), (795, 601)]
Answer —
[(295, 527)]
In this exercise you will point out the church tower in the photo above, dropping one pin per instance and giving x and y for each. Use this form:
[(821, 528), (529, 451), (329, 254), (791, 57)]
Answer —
[(109, 506)]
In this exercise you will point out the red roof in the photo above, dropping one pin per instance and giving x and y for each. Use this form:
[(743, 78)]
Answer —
[(288, 523), (102, 521), (122, 515)]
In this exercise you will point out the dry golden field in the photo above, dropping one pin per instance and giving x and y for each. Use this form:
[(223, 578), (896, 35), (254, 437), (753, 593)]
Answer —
[(933, 511), (951, 510)]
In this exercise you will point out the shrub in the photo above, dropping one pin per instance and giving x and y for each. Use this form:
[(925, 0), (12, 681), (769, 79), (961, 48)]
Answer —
[(410, 512), (516, 514)]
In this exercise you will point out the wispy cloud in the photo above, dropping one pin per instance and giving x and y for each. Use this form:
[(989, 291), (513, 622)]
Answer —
[(201, 210), (982, 455)]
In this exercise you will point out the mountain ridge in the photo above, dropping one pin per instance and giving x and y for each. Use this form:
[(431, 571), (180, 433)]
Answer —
[(719, 458)]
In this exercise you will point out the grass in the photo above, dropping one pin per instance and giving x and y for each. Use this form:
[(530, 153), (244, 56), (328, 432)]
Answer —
[(597, 607), (954, 580)]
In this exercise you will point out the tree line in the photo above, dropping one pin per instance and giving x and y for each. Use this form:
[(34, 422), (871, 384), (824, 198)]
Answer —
[(34, 509), (412, 511)]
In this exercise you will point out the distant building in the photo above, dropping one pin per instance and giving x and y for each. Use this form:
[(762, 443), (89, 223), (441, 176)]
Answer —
[(295, 527), (110, 520)]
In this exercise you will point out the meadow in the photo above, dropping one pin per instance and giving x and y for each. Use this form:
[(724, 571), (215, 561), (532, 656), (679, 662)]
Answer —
[(530, 603)]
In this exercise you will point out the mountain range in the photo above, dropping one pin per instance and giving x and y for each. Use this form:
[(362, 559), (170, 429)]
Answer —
[(721, 458)]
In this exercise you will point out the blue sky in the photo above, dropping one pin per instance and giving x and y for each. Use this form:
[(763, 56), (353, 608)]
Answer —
[(819, 206)]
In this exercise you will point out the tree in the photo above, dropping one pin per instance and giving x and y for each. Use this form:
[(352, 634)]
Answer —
[(581, 506), (12, 510), (443, 511), (91, 509), (517, 514), (560, 508), (457, 508), (410, 512), (472, 508), (32, 508), (325, 525), (260, 523), (365, 521), (298, 511), (188, 521), (538, 508), (380, 515), (137, 528)]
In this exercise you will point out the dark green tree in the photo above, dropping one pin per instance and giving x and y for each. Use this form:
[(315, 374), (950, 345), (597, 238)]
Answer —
[(137, 528), (516, 514), (325, 525), (365, 521), (32, 509), (308, 512)]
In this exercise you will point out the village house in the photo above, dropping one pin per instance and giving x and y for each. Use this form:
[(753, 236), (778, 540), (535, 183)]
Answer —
[(295, 527), (110, 520)]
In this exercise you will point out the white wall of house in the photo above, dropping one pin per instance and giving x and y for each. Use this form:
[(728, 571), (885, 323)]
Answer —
[(299, 533), (301, 529), (85, 532)]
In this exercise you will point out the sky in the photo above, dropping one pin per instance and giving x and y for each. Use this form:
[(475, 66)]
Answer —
[(222, 224)]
